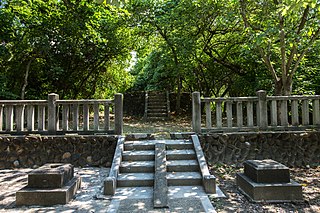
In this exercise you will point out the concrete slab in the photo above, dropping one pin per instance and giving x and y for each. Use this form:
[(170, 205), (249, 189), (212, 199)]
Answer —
[(180, 199)]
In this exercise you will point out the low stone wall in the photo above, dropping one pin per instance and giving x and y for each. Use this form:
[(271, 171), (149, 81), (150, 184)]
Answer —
[(33, 151), (290, 148)]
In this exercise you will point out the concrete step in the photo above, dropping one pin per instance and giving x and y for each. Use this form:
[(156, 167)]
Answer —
[(157, 110), (157, 98), (178, 144), (157, 114), (137, 167), (182, 166), (157, 118), (143, 155), (184, 154), (139, 145), (149, 145), (184, 178), (135, 179), (157, 107)]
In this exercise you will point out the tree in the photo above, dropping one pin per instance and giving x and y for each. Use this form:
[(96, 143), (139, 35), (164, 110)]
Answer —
[(65, 47), (283, 32)]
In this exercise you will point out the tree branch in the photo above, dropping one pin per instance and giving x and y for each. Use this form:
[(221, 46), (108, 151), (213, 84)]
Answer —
[(267, 61), (313, 39)]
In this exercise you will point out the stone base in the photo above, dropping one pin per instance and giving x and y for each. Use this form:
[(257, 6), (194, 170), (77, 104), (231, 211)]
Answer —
[(48, 197), (51, 175), (269, 192), (266, 171)]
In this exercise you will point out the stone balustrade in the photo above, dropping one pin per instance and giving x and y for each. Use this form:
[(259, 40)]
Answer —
[(54, 116), (261, 112)]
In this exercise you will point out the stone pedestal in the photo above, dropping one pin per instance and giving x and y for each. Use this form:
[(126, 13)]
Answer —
[(48, 185), (268, 181)]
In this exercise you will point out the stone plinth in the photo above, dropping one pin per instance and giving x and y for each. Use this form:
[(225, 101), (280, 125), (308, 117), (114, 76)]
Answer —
[(53, 175), (268, 181), (266, 171), (48, 185)]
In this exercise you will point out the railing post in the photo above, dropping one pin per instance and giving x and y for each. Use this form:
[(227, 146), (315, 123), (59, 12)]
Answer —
[(196, 112), (118, 116), (52, 113), (262, 109)]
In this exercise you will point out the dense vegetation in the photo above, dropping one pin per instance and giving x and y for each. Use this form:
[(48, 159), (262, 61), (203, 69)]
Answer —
[(86, 48)]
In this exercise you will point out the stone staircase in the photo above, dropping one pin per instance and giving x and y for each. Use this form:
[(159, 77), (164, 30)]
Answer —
[(137, 167), (163, 168), (157, 106)]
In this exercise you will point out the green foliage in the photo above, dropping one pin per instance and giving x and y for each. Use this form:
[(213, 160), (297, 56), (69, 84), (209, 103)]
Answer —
[(81, 49), (69, 45)]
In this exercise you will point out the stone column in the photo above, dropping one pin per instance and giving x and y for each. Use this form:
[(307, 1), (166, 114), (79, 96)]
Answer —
[(196, 112), (262, 115), (52, 113), (118, 115)]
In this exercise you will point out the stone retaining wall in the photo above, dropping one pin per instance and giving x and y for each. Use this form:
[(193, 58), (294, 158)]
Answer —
[(33, 151), (290, 148)]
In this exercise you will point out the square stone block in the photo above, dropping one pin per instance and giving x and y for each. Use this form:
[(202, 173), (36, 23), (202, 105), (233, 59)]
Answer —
[(266, 171), (51, 175), (48, 197), (269, 192)]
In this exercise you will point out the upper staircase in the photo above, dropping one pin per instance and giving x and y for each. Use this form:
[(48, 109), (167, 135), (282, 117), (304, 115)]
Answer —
[(157, 105)]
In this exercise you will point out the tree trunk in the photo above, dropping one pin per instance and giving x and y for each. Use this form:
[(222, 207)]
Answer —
[(25, 83), (283, 87), (178, 101)]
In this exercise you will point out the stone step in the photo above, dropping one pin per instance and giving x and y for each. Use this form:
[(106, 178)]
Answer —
[(157, 118), (139, 145), (157, 98), (149, 145), (157, 110), (184, 154), (137, 166), (157, 114), (182, 166), (143, 155), (184, 178), (135, 179), (157, 107), (178, 144), (158, 104)]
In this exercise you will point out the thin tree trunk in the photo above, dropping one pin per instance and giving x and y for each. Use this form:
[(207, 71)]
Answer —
[(25, 83)]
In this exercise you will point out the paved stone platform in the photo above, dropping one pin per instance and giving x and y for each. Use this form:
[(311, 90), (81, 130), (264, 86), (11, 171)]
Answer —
[(180, 199)]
